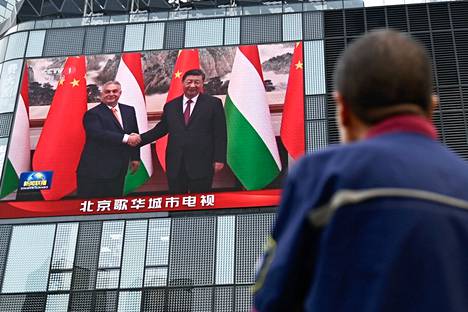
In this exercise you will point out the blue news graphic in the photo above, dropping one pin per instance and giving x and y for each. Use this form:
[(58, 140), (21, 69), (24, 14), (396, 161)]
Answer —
[(35, 180)]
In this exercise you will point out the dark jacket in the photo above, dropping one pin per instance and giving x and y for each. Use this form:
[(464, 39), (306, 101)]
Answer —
[(199, 144), (378, 225), (104, 155)]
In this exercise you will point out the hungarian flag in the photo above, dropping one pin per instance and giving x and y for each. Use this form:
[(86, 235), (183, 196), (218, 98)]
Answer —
[(252, 152), (19, 154), (63, 135), (292, 123), (186, 60), (130, 75)]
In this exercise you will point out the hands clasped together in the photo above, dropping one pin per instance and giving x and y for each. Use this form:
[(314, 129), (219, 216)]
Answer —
[(134, 139)]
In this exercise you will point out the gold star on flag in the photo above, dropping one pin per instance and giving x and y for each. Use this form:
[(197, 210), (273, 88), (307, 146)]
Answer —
[(299, 65), (61, 81), (178, 74), (75, 83)]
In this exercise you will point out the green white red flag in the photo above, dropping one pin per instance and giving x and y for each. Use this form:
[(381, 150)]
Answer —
[(252, 152), (19, 154), (130, 75)]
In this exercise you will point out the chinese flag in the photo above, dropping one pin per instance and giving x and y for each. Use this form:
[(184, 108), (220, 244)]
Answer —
[(186, 60), (292, 123), (63, 135)]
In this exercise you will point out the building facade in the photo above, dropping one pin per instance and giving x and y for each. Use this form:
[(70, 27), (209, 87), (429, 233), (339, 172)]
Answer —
[(203, 260)]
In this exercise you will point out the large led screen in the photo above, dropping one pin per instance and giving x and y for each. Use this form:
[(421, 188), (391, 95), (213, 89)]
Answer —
[(229, 149)]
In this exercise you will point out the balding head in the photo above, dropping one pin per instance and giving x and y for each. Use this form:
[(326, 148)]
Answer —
[(384, 73)]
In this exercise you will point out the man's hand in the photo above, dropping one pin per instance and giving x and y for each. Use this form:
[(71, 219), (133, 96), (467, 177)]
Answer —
[(134, 139), (218, 166), (134, 165)]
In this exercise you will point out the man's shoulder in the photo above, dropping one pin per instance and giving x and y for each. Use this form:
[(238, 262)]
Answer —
[(96, 109), (126, 107), (203, 97)]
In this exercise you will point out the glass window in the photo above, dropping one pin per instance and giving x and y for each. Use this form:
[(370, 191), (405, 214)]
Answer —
[(60, 281), (174, 35), (316, 107), (16, 45), (192, 251), (225, 233), (34, 243), (251, 236), (292, 27), (156, 277), (107, 279), (35, 43), (261, 29), (133, 262), (67, 41), (158, 242), (201, 33), (313, 25), (314, 67), (316, 135), (5, 124), (57, 303), (3, 47), (129, 301), (11, 74), (232, 31), (154, 36), (114, 38), (111, 244), (64, 249), (134, 37)]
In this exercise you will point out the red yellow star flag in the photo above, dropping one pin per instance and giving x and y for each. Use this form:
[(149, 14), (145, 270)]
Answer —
[(63, 135), (292, 122), (186, 60)]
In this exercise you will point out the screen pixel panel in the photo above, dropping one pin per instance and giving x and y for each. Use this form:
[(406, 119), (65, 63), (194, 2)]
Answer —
[(87, 253), (251, 236), (106, 301), (313, 25), (174, 35), (94, 40), (68, 41), (114, 37), (203, 33), (154, 300), (261, 29), (192, 251)]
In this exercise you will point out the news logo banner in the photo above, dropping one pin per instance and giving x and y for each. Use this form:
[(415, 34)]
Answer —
[(35, 180)]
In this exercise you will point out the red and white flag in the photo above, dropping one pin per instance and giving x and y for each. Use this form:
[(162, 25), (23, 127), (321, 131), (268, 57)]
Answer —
[(63, 136), (186, 60), (292, 123)]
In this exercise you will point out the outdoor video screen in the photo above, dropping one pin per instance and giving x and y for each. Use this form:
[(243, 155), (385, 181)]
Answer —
[(234, 136)]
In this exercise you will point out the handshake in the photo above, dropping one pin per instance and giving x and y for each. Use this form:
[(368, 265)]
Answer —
[(134, 139)]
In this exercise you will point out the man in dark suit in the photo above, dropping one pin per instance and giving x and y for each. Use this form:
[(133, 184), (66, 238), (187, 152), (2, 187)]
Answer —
[(107, 152), (196, 146)]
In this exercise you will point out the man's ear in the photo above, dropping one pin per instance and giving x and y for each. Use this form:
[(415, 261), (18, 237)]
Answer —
[(342, 110), (434, 105)]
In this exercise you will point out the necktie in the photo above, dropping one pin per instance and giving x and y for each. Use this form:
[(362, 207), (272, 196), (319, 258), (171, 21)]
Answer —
[(116, 115), (187, 112)]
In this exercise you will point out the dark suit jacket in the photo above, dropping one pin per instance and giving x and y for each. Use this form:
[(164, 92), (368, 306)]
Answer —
[(104, 155), (197, 145)]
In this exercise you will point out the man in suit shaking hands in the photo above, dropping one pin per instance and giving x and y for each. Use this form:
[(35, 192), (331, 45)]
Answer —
[(108, 153), (196, 126)]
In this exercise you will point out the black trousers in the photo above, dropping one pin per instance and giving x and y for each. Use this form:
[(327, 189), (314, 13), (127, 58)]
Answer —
[(95, 188), (183, 184)]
